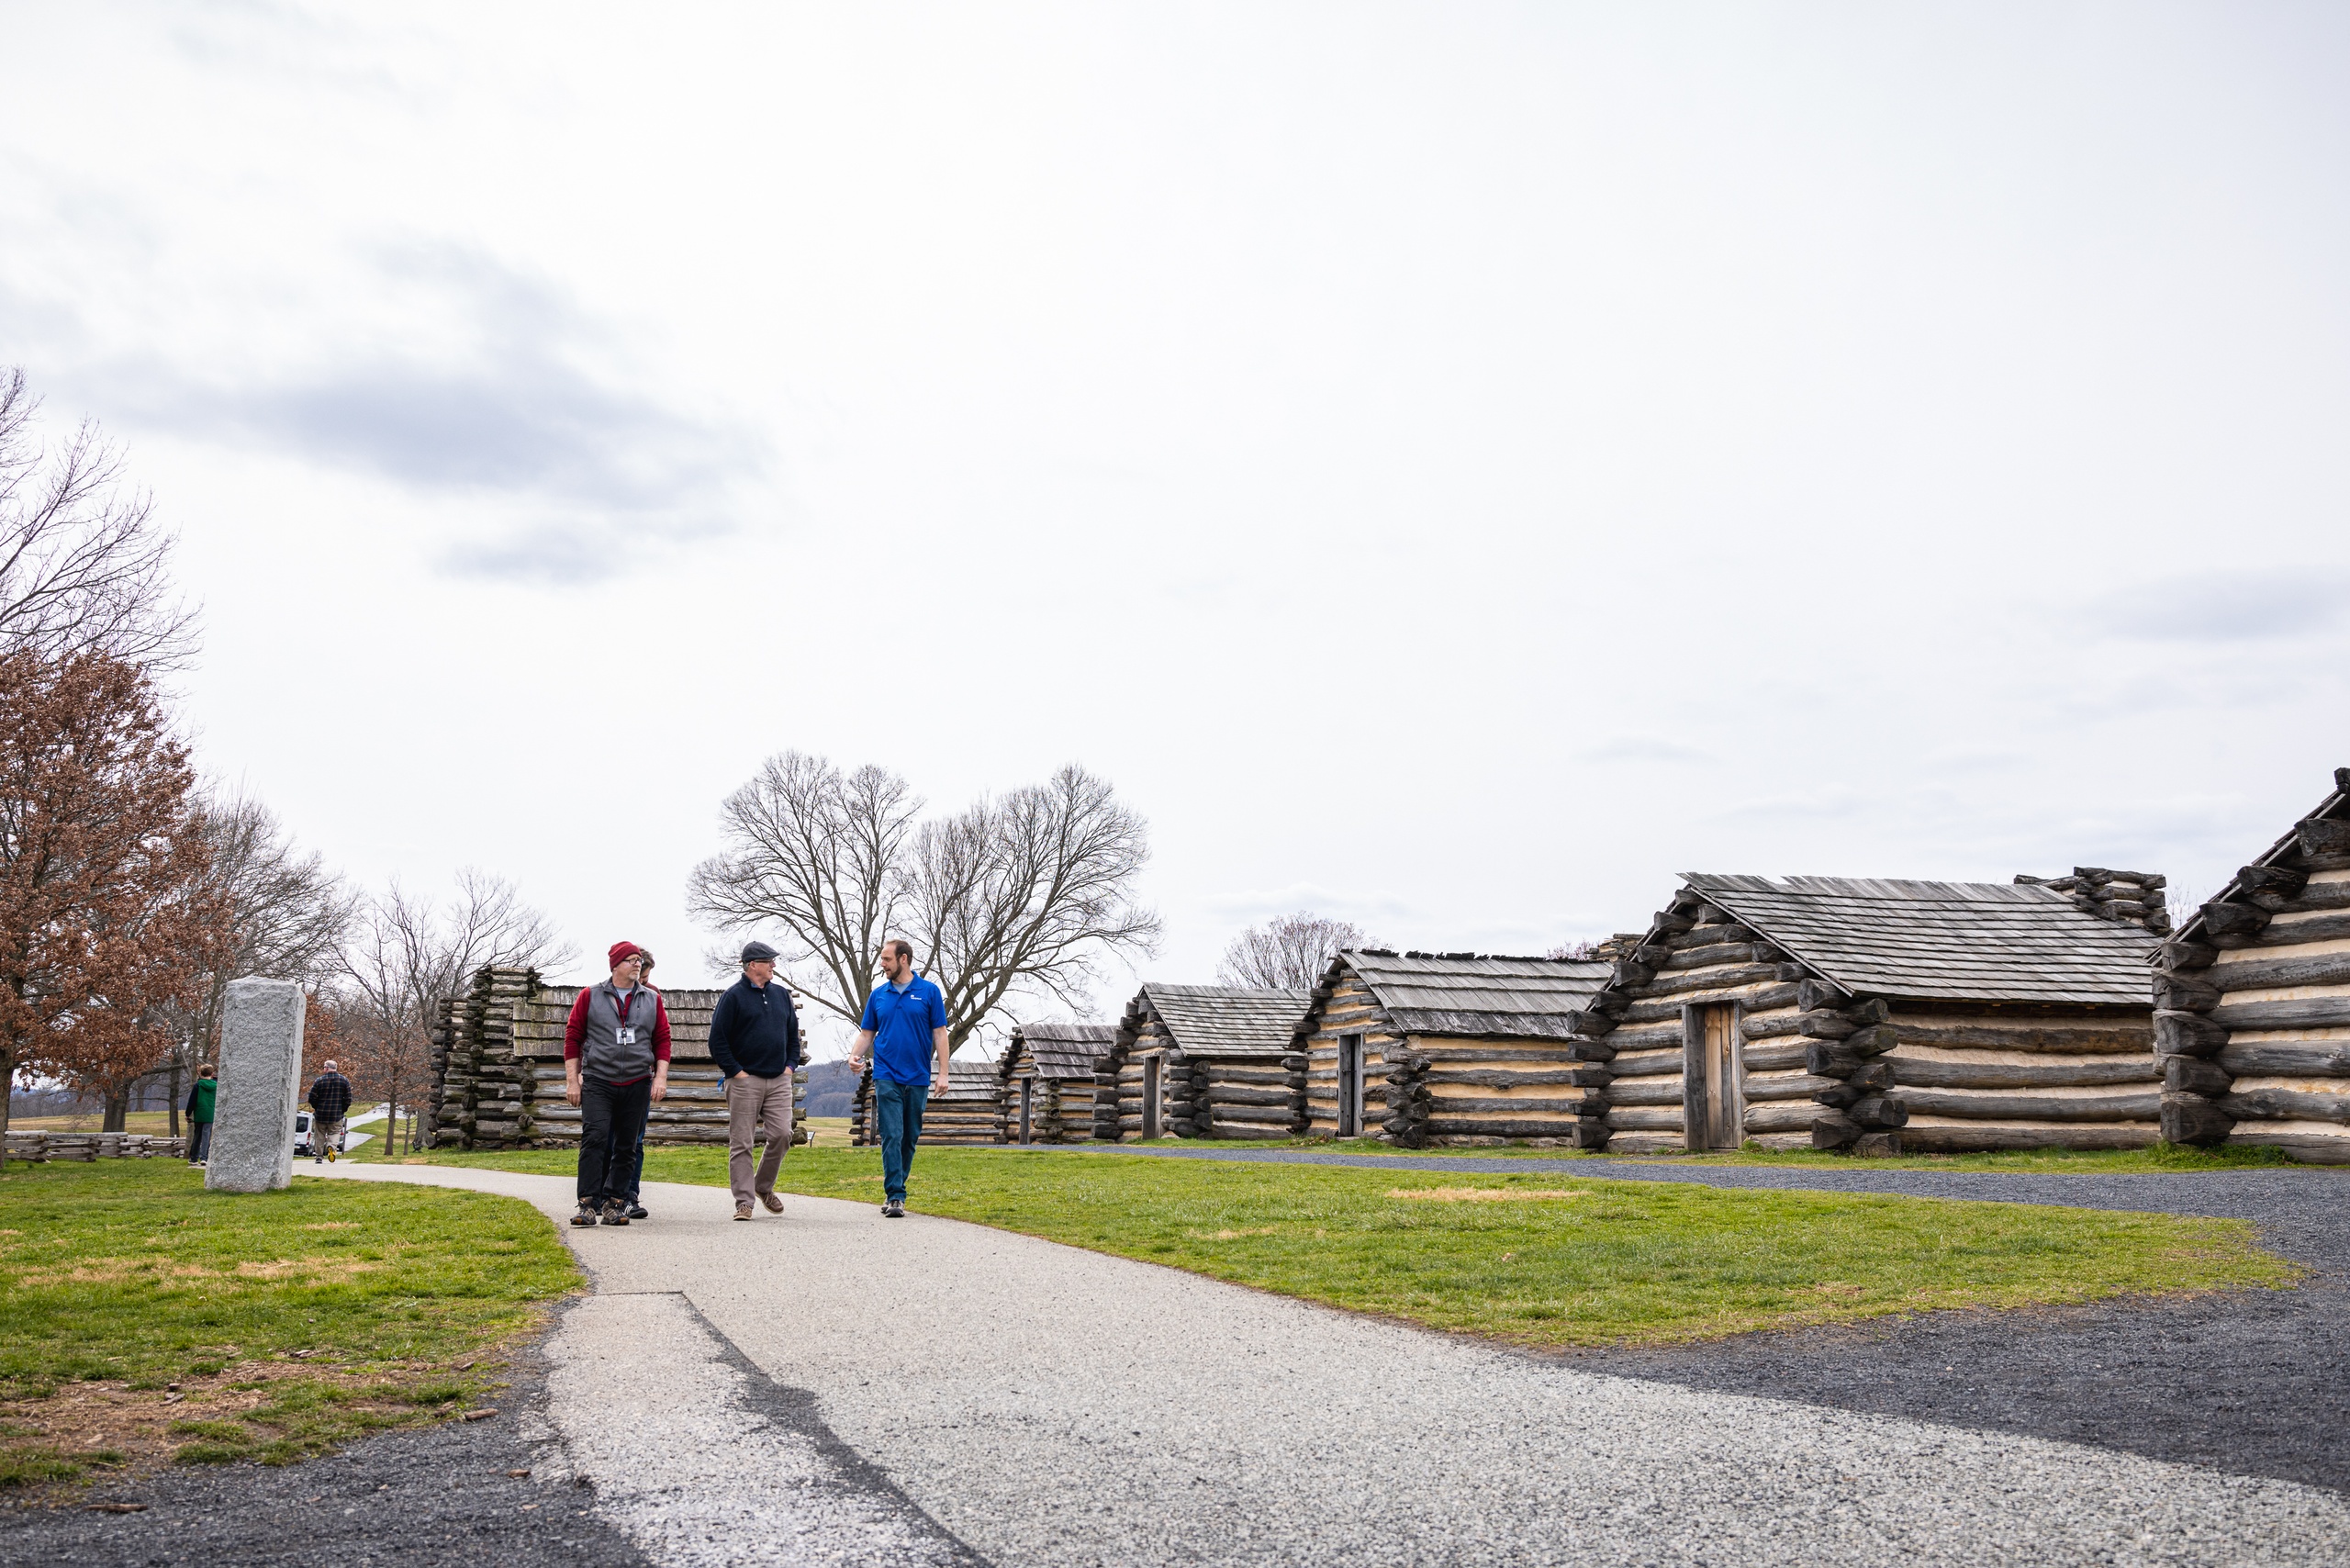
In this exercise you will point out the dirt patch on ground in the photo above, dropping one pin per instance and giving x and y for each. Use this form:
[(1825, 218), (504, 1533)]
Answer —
[(1485, 1194), (142, 1430)]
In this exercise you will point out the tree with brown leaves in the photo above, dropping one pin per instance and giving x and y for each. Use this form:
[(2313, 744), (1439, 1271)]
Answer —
[(103, 927)]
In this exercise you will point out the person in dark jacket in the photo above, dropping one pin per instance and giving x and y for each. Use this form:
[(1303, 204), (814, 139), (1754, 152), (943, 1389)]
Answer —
[(202, 1096), (754, 1040), (329, 1103), (615, 1065)]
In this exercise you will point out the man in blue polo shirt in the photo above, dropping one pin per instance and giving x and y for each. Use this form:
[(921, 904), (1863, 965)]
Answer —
[(903, 1028)]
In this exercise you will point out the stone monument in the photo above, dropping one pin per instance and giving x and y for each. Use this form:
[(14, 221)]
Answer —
[(260, 1085)]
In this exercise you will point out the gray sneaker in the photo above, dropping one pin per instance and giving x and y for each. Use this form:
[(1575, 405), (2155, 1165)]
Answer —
[(894, 1209)]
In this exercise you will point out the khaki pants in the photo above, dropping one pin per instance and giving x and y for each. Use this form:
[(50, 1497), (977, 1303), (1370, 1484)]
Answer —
[(754, 1104)]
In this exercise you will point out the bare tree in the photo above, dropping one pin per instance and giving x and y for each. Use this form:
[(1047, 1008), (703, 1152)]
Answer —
[(83, 565), (288, 915), (820, 854), (407, 955), (1291, 953), (1025, 892)]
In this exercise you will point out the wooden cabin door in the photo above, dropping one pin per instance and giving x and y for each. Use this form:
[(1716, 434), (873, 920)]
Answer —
[(1150, 1089), (1350, 1086), (1713, 1102), (1028, 1106)]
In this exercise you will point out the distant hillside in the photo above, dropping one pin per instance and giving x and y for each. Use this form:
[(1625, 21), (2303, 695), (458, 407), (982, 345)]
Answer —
[(832, 1086)]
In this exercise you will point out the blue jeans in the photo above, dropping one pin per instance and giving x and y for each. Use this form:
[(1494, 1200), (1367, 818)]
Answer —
[(897, 1116)]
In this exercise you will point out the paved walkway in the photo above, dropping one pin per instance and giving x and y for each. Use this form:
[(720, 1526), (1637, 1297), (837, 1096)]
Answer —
[(832, 1387)]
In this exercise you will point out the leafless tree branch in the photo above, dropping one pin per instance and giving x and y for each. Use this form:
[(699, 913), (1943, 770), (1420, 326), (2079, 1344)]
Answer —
[(1022, 893), (83, 565), (1291, 953)]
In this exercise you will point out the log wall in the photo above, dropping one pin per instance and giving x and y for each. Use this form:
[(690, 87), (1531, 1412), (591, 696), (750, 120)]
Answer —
[(1442, 1091), (2255, 1022), (970, 1111), (1351, 1010), (1062, 1111), (1247, 1095)]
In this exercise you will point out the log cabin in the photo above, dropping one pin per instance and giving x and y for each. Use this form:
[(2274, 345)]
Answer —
[(1047, 1071), (498, 1070), (1880, 1017), (1211, 1062), (2252, 1000), (969, 1112), (1463, 1048)]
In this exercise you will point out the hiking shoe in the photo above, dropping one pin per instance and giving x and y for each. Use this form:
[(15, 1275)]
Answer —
[(615, 1215), (742, 1211), (774, 1204), (586, 1215), (894, 1209), (636, 1211)]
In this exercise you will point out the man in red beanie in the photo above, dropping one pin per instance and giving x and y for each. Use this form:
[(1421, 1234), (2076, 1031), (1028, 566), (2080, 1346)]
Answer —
[(615, 1064)]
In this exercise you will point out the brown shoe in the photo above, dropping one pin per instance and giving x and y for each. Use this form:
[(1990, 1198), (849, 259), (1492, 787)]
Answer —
[(742, 1211), (774, 1204)]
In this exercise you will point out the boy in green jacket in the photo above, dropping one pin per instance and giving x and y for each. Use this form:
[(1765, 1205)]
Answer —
[(200, 1097)]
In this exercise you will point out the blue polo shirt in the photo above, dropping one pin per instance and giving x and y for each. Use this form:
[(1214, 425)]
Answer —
[(901, 1022)]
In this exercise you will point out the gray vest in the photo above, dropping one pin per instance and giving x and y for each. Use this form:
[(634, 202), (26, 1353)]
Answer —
[(601, 1054)]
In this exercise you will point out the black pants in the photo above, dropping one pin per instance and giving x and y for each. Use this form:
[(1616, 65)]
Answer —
[(626, 1176), (611, 1134)]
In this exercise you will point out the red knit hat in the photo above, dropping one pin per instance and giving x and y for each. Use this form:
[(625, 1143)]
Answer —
[(622, 952)]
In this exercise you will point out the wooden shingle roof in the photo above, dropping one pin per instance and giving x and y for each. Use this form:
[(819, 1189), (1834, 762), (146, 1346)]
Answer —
[(1062, 1050), (1957, 941), (968, 1080), (1218, 1020), (1428, 994)]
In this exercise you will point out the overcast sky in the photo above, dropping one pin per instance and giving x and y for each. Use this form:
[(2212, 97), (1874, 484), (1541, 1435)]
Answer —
[(1452, 466)]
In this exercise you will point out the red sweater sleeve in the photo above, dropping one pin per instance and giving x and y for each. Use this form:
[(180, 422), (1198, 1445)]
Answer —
[(660, 1030), (575, 1029)]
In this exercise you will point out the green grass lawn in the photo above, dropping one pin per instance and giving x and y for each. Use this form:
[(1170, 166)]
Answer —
[(1544, 1258), (143, 1317)]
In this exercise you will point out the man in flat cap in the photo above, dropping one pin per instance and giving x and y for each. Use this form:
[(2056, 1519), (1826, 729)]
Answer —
[(754, 1040), (615, 1064)]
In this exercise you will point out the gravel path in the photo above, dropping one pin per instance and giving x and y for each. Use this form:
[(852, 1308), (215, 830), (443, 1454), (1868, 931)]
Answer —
[(1042, 1404), (2244, 1381), (939, 1392)]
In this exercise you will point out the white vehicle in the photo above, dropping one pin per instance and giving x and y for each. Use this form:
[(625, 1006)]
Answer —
[(302, 1130)]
